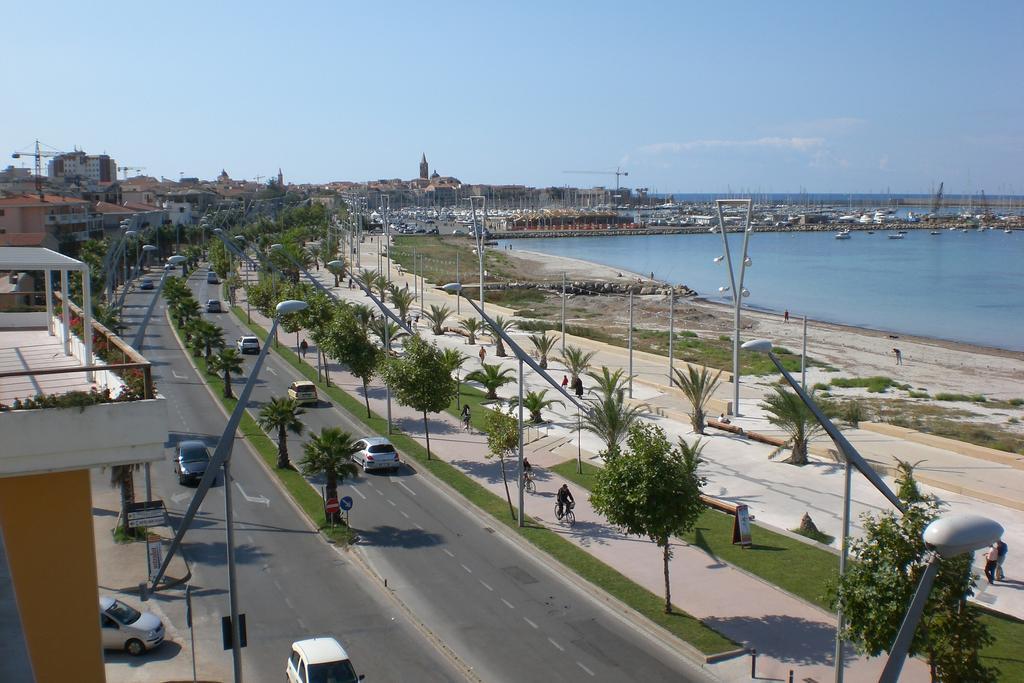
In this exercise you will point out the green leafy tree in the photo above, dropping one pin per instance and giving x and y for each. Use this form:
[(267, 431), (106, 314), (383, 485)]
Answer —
[(384, 328), (652, 490), (503, 444), (226, 363), (535, 402), (787, 412), (329, 453), (542, 344), (879, 584), (438, 316), (610, 419), (697, 386), (347, 340), (472, 327), (501, 324), (492, 377), (576, 360), (281, 414), (421, 380)]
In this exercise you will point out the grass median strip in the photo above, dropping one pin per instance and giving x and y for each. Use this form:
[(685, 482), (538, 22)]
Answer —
[(681, 625)]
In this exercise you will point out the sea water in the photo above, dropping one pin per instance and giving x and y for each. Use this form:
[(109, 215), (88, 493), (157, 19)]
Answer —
[(959, 286)]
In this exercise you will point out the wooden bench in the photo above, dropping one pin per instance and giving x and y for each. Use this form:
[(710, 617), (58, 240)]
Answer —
[(725, 426), (777, 441)]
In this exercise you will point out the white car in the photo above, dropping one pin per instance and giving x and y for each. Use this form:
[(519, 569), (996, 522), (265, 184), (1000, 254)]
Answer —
[(248, 344), (125, 628), (319, 660), (375, 453)]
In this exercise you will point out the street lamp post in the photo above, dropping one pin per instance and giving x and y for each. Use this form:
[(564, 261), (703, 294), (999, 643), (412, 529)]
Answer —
[(478, 232), (220, 461), (737, 288)]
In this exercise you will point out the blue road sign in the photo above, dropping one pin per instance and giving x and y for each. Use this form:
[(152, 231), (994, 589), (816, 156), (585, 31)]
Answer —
[(346, 503)]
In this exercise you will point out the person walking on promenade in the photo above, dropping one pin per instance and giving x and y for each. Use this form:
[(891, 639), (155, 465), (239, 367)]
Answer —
[(303, 347), (1001, 553), (482, 354), (565, 381), (785, 316), (899, 356), (465, 417), (991, 561), (577, 386)]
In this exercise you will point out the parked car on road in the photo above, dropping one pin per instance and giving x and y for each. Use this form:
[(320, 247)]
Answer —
[(123, 627), (190, 461), (303, 391), (375, 453), (248, 344), (213, 306), (320, 660), (146, 283)]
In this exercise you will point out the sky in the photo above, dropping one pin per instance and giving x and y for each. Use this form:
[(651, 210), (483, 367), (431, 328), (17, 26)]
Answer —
[(686, 97)]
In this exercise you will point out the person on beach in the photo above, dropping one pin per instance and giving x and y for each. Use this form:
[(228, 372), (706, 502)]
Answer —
[(991, 562), (899, 356), (1001, 551), (565, 381), (482, 354), (303, 347), (785, 316)]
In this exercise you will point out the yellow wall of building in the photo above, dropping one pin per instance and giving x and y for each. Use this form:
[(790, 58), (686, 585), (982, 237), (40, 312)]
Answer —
[(48, 532)]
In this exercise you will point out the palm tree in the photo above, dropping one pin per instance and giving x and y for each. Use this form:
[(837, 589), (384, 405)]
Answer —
[(368, 277), (281, 414), (543, 343), (787, 412), (697, 386), (208, 336), (402, 299), (123, 477), (492, 377), (228, 362), (185, 310), (364, 315), (329, 453), (576, 360), (502, 324), (454, 359), (610, 419), (535, 402), (377, 326), (438, 316), (610, 383), (471, 326)]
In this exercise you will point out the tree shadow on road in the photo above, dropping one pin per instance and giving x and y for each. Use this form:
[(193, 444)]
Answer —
[(387, 536)]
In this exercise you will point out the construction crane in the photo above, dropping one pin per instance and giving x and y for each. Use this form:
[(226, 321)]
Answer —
[(937, 201), (38, 154), (131, 168), (617, 172)]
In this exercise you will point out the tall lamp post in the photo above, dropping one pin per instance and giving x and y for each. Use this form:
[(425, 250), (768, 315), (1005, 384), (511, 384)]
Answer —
[(735, 286), (221, 460), (478, 232), (951, 537)]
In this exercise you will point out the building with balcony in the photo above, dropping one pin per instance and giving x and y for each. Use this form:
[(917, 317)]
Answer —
[(48, 575), (80, 168), (66, 219)]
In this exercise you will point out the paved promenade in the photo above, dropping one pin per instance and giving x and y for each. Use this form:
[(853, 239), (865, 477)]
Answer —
[(788, 633)]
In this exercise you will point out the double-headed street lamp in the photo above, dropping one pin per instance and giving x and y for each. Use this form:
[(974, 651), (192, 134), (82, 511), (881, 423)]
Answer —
[(221, 459), (947, 536), (735, 286)]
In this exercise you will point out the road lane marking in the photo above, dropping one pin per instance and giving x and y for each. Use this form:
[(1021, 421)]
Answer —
[(530, 623), (485, 585), (556, 644), (177, 376), (271, 370), (406, 488), (508, 604), (403, 514), (447, 552), (380, 492), (580, 665), (301, 624), (358, 493), (392, 503), (370, 484), (178, 497), (289, 603), (418, 526), (468, 570)]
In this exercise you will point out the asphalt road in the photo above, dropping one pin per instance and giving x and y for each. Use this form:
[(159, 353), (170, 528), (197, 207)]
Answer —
[(292, 584), (502, 610)]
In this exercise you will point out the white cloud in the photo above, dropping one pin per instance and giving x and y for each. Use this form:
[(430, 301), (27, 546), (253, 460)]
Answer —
[(883, 163), (794, 143)]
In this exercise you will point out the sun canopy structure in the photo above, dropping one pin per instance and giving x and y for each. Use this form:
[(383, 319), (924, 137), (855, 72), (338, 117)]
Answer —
[(24, 259)]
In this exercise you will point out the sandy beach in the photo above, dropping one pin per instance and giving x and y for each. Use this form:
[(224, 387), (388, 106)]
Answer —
[(928, 364)]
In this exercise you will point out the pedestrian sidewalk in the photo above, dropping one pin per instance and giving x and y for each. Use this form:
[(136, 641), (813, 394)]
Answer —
[(788, 633)]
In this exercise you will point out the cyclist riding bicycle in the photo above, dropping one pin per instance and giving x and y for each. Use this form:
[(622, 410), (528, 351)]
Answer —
[(564, 497)]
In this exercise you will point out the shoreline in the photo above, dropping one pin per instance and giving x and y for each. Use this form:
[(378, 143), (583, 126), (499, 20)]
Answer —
[(936, 365)]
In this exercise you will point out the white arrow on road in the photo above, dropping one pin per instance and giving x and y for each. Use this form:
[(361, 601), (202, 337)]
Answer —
[(263, 500), (177, 376), (271, 370)]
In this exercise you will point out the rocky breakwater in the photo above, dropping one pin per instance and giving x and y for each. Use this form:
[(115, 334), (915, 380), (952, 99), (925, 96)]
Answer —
[(595, 287)]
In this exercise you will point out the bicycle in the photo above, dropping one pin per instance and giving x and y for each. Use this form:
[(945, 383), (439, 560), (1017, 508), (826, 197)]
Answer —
[(466, 425), (528, 483), (567, 514)]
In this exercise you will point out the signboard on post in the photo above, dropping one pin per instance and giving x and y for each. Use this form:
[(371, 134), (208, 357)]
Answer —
[(150, 513), (155, 553), (332, 506), (346, 503), (741, 526)]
